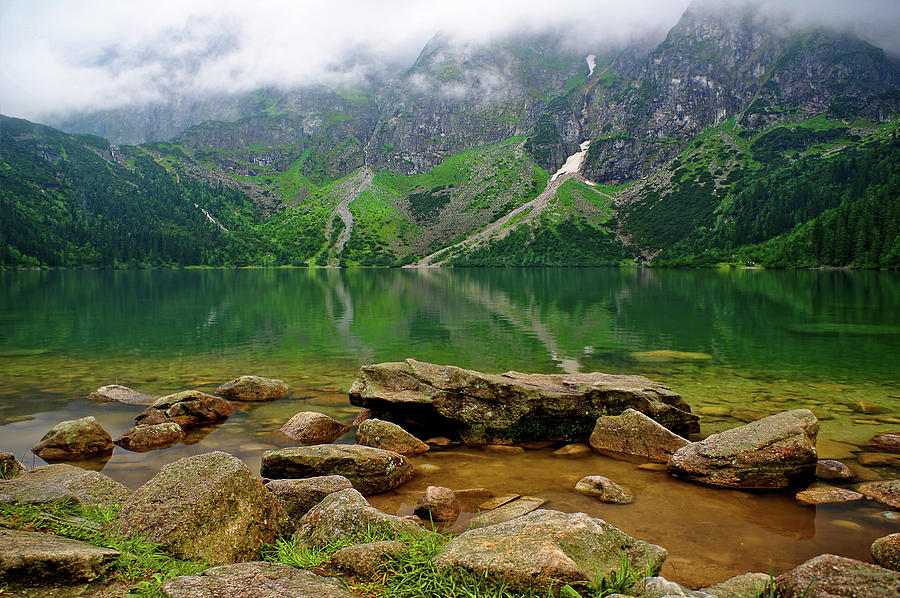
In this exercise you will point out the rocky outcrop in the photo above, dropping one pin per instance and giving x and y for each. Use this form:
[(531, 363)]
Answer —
[(57, 482), (885, 443), (34, 559), (437, 503), (477, 408), (886, 492), (187, 409), (144, 437), (116, 393), (204, 507), (886, 551), (311, 427), (255, 580), (347, 515), (370, 470), (74, 440), (253, 388), (775, 452), (633, 433), (545, 548), (827, 575), (389, 436), (820, 494), (10, 467), (603, 489), (364, 560), (297, 497)]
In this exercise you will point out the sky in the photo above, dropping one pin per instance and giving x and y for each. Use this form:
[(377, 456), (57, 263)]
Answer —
[(58, 56)]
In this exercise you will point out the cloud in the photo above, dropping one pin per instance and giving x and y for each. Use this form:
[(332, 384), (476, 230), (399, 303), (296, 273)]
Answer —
[(59, 55)]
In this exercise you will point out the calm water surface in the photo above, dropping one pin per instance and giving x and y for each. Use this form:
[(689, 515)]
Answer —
[(736, 344)]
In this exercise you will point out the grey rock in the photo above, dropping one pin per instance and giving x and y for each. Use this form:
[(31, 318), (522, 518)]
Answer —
[(740, 586), (370, 470), (310, 427), (297, 497), (603, 489), (74, 440), (255, 580), (828, 575), (658, 587), (389, 436), (775, 452), (633, 433), (207, 506), (10, 467), (364, 560), (34, 559), (886, 551), (187, 409), (253, 388), (438, 504), (829, 469), (63, 482), (144, 437), (116, 393)]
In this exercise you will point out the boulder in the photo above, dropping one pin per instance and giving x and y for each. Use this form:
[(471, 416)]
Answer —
[(369, 469), (603, 489), (188, 408), (886, 551), (885, 443), (145, 438), (886, 492), (389, 436), (775, 452), (740, 586), (74, 440), (310, 427), (346, 515), (255, 580), (828, 576), (253, 388), (207, 506), (116, 393), (829, 469), (297, 497), (36, 559), (10, 467), (633, 433), (476, 408), (544, 547), (63, 482), (438, 504), (820, 494), (660, 587), (364, 560)]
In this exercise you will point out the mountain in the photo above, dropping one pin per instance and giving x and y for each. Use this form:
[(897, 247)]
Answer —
[(732, 140)]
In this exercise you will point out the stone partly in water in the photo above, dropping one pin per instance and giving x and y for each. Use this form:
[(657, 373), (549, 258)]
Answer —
[(775, 452), (10, 467), (253, 388), (188, 408), (346, 515), (885, 443), (312, 427), (74, 440), (821, 494), (370, 470), (143, 438), (438, 504), (633, 433), (364, 560), (389, 436), (829, 469), (477, 408), (828, 576), (603, 489), (297, 497), (37, 559), (116, 393), (58, 482), (545, 547), (886, 492), (740, 586), (207, 506), (886, 551), (255, 579)]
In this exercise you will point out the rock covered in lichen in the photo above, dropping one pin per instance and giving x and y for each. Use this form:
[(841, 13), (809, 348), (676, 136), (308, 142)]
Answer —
[(253, 388), (74, 440)]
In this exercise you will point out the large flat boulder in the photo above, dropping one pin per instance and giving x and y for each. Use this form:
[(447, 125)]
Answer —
[(34, 559), (254, 388), (774, 452), (61, 481), (476, 408), (74, 440), (633, 433), (830, 576), (255, 580), (369, 469), (546, 548), (187, 408), (207, 506)]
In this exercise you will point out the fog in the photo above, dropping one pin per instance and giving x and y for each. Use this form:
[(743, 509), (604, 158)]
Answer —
[(58, 55)]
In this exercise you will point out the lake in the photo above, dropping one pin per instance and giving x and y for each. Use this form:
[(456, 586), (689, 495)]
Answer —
[(736, 344)]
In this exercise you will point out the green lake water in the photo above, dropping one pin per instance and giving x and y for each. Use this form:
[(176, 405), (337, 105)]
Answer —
[(736, 345)]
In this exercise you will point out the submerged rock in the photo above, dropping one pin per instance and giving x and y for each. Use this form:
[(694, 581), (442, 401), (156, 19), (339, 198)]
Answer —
[(544, 547), (389, 436), (370, 470), (255, 580), (297, 497), (36, 559), (633, 433), (477, 408), (74, 440), (886, 551), (603, 489), (116, 393), (10, 467), (253, 388), (438, 504), (829, 469), (885, 443), (828, 575), (573, 451), (61, 481), (775, 452), (885, 492), (311, 427), (205, 507), (145, 438), (188, 408)]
